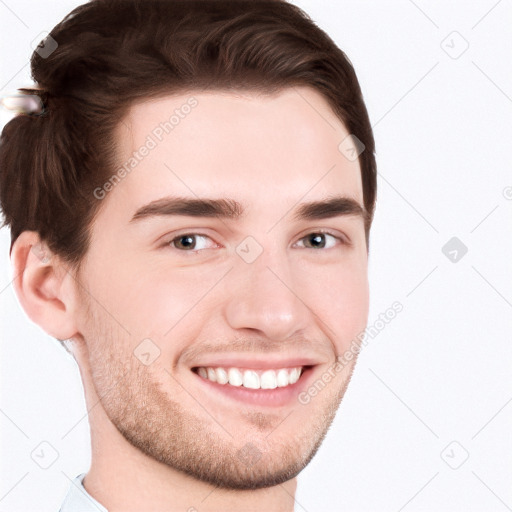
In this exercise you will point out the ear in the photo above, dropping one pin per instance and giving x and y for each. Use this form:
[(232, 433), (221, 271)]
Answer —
[(44, 286)]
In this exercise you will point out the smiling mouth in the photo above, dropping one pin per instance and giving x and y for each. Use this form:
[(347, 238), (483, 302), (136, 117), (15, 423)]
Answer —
[(251, 378)]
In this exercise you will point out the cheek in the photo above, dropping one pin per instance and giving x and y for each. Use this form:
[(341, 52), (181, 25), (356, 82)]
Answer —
[(131, 296), (339, 295), (155, 301)]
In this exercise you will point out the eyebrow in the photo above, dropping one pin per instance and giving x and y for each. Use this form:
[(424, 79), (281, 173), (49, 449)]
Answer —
[(333, 206)]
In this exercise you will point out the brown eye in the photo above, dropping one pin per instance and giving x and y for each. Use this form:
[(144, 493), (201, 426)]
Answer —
[(189, 242), (316, 240), (184, 242), (320, 241)]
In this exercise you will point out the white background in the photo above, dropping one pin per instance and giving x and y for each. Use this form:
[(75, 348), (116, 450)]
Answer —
[(441, 371)]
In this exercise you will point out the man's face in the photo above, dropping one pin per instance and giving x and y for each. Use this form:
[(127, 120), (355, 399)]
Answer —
[(264, 291)]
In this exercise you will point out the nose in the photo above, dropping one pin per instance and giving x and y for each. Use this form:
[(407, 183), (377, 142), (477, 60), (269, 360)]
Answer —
[(263, 298)]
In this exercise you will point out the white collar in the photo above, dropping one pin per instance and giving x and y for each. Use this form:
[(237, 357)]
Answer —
[(79, 500)]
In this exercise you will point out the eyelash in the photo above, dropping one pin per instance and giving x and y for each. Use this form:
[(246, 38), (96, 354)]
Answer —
[(342, 240)]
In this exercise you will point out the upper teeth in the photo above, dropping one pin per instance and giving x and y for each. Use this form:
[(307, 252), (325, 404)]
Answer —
[(254, 379)]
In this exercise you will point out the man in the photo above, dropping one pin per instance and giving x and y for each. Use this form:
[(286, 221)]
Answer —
[(192, 222)]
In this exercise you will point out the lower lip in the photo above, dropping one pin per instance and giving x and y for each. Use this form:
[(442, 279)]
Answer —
[(277, 397)]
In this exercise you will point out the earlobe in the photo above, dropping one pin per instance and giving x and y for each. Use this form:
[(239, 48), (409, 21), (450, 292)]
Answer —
[(43, 286)]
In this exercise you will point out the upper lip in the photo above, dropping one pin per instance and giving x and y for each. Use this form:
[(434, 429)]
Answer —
[(256, 362)]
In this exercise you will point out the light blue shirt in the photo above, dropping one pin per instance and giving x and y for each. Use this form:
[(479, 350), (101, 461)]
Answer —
[(79, 500)]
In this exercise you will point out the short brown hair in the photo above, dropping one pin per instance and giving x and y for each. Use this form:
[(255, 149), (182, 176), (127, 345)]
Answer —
[(111, 54)]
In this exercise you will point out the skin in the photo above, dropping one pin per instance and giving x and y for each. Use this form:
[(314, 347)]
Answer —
[(160, 439)]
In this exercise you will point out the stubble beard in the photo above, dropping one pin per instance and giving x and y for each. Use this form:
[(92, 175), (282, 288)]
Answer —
[(194, 443)]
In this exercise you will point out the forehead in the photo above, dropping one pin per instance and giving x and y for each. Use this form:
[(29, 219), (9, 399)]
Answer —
[(265, 149)]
